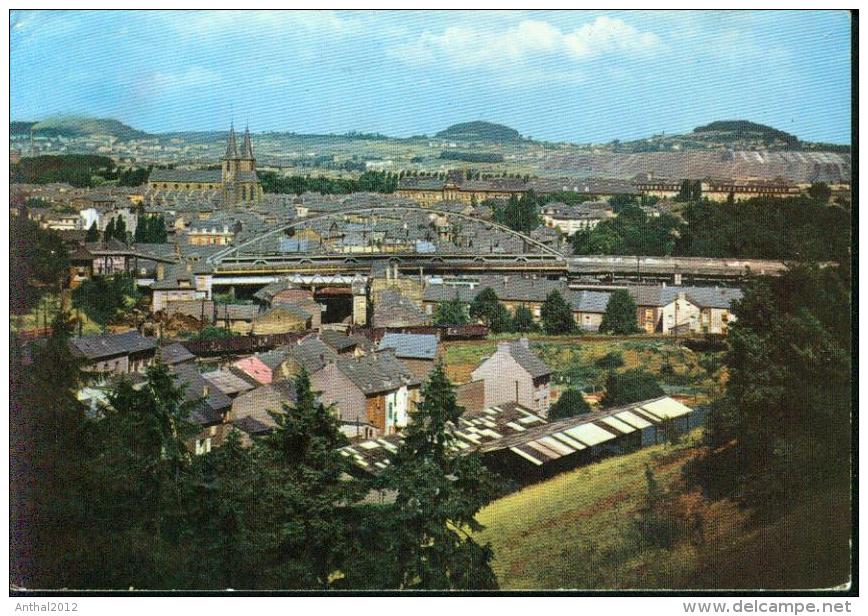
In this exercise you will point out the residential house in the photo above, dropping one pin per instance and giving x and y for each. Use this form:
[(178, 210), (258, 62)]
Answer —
[(176, 283), (311, 354), (175, 353), (209, 406), (124, 353), (373, 394), (681, 310), (588, 308), (281, 319), (416, 351), (393, 309), (515, 374), (345, 344), (230, 382), (237, 318), (579, 217), (268, 367), (251, 410)]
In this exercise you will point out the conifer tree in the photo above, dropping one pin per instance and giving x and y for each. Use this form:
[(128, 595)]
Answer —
[(438, 493)]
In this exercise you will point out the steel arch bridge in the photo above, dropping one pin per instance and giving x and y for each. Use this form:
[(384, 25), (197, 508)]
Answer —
[(251, 252)]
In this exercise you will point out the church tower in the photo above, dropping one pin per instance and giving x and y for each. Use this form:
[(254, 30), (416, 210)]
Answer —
[(240, 182)]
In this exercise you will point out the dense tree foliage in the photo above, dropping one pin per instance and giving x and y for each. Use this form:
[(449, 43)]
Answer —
[(519, 213), (451, 312), (151, 230), (79, 170), (632, 232), (93, 234), (103, 298), (557, 316), (115, 499), (47, 461), (522, 320), (570, 404), (38, 261), (369, 181), (116, 229), (620, 315), (487, 308), (799, 228), (438, 494), (472, 157), (630, 386), (820, 191), (783, 424)]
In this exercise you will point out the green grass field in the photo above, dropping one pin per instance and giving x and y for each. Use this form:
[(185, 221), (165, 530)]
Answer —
[(573, 532), (573, 361)]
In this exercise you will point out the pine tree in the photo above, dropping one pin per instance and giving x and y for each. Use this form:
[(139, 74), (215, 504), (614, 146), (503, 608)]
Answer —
[(450, 312), (92, 234), (48, 460), (557, 316), (109, 231), (438, 494), (620, 315), (488, 309), (523, 321), (314, 499)]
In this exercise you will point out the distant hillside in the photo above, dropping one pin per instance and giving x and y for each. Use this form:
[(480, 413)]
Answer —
[(78, 126), (20, 128), (729, 135), (480, 131), (743, 130)]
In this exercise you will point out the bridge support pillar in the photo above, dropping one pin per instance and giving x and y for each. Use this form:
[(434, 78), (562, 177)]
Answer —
[(677, 279), (360, 303)]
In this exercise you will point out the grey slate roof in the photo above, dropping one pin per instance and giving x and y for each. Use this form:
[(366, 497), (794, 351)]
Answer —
[(229, 382), (174, 353), (111, 345), (411, 346), (251, 408), (312, 353), (204, 176), (207, 408), (589, 301), (703, 297), (274, 358), (527, 360), (377, 372), (338, 341)]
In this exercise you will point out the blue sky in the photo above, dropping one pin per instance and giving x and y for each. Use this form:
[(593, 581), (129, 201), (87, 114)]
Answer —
[(578, 76)]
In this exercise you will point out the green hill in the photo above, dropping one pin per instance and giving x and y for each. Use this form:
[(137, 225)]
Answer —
[(20, 127), (743, 130), (79, 126), (574, 532), (480, 131)]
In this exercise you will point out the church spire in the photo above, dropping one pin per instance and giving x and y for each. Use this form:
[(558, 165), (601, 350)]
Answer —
[(231, 147), (247, 148)]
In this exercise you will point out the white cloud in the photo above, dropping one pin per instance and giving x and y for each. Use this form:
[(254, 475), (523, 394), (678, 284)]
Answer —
[(526, 42)]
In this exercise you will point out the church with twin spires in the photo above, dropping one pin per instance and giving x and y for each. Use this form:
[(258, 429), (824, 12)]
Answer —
[(236, 180)]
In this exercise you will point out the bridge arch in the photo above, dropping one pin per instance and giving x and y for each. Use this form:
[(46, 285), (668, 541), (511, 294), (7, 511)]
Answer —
[(218, 256)]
